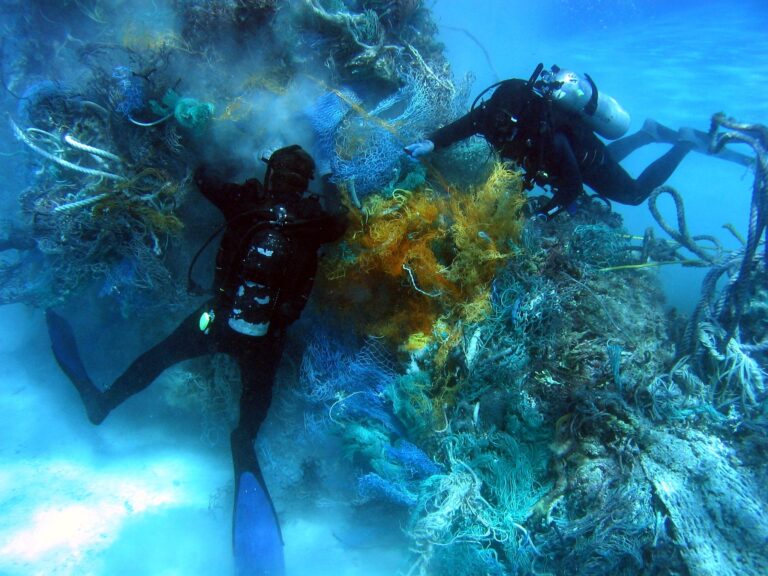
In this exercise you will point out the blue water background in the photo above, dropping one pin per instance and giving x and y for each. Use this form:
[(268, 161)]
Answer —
[(677, 62)]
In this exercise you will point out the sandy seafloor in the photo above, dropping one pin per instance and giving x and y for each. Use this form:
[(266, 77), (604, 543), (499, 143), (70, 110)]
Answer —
[(132, 496), (140, 497)]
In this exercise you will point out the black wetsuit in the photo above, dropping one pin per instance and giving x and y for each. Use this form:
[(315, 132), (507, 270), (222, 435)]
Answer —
[(556, 147), (266, 266)]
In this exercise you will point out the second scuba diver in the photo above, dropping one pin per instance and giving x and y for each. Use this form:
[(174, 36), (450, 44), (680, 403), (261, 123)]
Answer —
[(547, 125), (265, 269)]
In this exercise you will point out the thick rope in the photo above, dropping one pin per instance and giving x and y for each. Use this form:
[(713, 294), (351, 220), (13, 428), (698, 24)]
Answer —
[(756, 136), (681, 235), (727, 309), (60, 161)]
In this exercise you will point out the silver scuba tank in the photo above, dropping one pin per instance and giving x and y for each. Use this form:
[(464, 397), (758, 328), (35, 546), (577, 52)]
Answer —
[(572, 91)]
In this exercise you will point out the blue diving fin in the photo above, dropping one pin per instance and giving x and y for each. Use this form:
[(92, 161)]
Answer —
[(64, 347), (258, 544)]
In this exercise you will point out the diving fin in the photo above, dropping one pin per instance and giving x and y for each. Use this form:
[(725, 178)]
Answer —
[(67, 356), (699, 140), (256, 537)]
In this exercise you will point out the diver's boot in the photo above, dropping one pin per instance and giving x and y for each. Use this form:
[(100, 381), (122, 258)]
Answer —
[(93, 401), (67, 356)]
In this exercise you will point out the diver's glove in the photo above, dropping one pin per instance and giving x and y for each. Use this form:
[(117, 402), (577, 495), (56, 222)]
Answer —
[(419, 149), (543, 209)]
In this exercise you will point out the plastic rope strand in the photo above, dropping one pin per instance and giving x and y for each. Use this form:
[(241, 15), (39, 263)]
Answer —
[(699, 315), (150, 124), (681, 235), (736, 234), (759, 131), (80, 203), (756, 136), (60, 161), (75, 143)]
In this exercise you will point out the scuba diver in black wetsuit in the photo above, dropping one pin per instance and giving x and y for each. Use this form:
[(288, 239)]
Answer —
[(547, 126), (265, 269)]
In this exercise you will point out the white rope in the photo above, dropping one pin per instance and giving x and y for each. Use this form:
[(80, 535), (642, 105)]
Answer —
[(60, 161)]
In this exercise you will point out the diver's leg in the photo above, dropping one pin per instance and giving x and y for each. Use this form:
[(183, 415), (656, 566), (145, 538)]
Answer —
[(609, 179), (67, 355), (651, 132), (660, 170), (185, 342), (256, 538)]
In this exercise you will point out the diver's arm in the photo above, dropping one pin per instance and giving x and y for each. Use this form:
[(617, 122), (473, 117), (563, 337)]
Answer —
[(461, 129), (333, 227), (320, 225), (226, 196), (335, 214), (209, 181), (568, 183)]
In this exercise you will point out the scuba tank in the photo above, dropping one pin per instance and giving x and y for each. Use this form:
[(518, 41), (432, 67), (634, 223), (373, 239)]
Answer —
[(571, 91)]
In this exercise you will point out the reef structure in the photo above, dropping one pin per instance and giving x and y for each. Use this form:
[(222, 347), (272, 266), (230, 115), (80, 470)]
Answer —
[(513, 394)]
